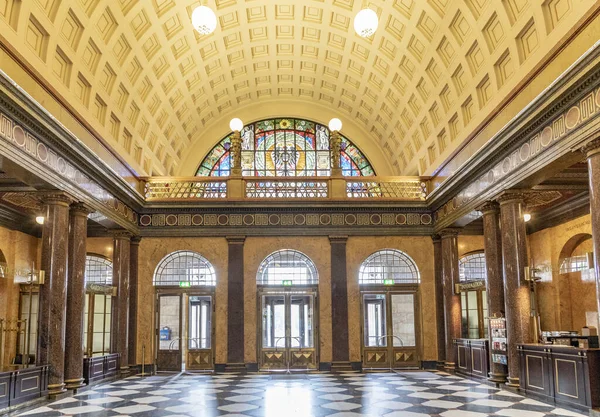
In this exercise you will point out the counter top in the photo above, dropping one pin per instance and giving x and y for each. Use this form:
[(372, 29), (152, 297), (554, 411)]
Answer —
[(538, 346), (17, 368)]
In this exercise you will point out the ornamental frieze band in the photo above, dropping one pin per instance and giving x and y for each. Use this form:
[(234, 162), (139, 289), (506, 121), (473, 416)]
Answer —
[(286, 219)]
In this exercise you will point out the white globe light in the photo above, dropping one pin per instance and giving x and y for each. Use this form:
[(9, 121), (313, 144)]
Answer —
[(526, 217), (204, 20), (39, 219), (366, 22), (236, 125), (335, 125)]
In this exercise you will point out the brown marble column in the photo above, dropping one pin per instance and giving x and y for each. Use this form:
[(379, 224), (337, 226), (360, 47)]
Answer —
[(494, 277), (120, 335), (133, 298), (517, 297), (592, 151), (339, 303), (76, 297), (235, 301), (439, 300), (452, 313), (53, 293)]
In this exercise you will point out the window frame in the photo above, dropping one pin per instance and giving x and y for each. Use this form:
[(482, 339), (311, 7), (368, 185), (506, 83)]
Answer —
[(401, 257), (296, 279)]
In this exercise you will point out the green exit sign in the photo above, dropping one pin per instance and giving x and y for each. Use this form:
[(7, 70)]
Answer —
[(185, 284), (388, 282), (287, 282)]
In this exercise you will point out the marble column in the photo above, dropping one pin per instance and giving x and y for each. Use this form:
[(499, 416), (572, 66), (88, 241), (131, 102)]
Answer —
[(76, 297), (120, 335), (439, 300), (592, 151), (339, 303), (235, 301), (452, 313), (134, 246), (53, 293), (517, 294), (492, 241)]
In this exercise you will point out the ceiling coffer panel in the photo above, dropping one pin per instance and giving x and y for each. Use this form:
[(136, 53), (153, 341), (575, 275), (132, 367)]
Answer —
[(150, 85)]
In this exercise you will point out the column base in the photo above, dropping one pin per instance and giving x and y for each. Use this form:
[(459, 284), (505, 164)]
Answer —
[(440, 365), (74, 383), (56, 389), (341, 366), (513, 382), (449, 366), (124, 371), (497, 378)]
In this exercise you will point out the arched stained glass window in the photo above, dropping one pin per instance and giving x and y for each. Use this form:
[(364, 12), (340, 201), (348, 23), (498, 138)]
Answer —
[(389, 266), (185, 268), (472, 267), (98, 270), (287, 267), (285, 147)]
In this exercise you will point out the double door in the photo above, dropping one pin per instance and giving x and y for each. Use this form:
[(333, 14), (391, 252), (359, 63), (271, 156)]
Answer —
[(390, 329), (185, 331), (288, 336)]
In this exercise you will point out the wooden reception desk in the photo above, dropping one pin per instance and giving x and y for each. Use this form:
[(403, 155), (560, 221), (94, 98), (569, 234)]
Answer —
[(19, 384), (562, 374)]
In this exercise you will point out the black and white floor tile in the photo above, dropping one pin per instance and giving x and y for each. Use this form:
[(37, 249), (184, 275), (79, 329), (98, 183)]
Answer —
[(409, 394)]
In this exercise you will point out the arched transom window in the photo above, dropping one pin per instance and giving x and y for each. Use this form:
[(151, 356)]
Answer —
[(285, 147), (184, 269), (389, 266), (287, 267), (472, 267), (98, 270)]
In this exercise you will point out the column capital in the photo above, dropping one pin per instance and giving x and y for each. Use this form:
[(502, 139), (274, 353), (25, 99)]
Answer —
[(235, 240), (511, 196), (122, 234), (135, 240), (338, 239), (81, 209), (489, 207), (450, 232), (55, 198), (436, 238), (591, 148)]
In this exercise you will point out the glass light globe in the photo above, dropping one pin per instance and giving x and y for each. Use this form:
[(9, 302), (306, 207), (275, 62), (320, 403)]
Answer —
[(236, 125), (204, 20), (526, 217), (39, 219), (366, 22), (335, 125)]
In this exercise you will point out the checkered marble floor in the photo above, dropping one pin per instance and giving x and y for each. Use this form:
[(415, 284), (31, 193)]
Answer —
[(409, 394)]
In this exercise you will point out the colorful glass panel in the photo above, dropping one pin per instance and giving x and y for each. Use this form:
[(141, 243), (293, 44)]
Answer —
[(285, 147)]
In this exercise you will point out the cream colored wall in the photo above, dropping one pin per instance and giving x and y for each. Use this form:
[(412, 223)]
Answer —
[(255, 251), (467, 244), (20, 251), (100, 246), (563, 299), (151, 252), (420, 249)]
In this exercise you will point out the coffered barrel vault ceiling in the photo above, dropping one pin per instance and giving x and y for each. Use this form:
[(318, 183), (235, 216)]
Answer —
[(161, 95)]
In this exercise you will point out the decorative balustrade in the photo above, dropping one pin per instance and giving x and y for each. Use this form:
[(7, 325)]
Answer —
[(294, 188), (393, 188), (305, 188)]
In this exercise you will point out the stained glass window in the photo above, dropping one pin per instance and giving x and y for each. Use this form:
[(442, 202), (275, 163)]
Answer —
[(285, 147)]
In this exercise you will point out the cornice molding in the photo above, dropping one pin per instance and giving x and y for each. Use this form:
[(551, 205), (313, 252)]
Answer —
[(591, 148)]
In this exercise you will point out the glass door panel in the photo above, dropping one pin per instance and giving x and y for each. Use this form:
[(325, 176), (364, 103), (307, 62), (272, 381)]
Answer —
[(273, 323), (301, 317), (403, 330), (375, 320), (199, 344), (169, 333)]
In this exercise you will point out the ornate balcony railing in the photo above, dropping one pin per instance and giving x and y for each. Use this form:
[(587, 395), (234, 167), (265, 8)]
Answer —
[(288, 188), (391, 188)]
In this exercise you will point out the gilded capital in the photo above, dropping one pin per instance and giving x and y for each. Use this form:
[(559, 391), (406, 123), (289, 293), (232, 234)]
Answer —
[(515, 196), (450, 232), (81, 209), (122, 234), (591, 148), (436, 238), (489, 207), (58, 198)]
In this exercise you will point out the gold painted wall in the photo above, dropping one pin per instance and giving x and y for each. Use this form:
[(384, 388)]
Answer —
[(468, 243), (20, 251), (563, 299), (151, 252), (256, 249), (420, 249), (100, 246)]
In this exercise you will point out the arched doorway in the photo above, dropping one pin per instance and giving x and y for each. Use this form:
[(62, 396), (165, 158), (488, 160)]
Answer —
[(287, 286), (184, 282), (389, 282)]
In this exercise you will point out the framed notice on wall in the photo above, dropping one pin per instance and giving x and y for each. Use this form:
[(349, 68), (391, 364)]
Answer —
[(498, 327)]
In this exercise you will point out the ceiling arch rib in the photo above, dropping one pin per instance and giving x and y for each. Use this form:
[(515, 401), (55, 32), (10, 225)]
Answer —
[(154, 88)]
